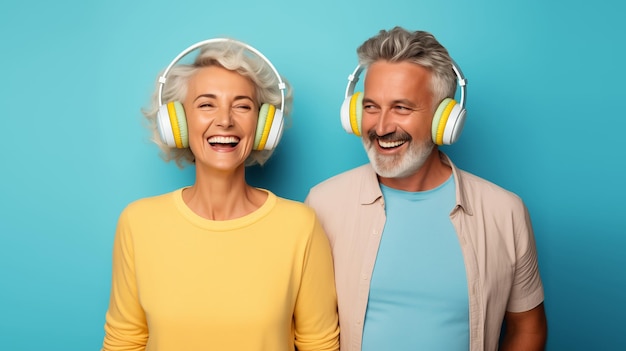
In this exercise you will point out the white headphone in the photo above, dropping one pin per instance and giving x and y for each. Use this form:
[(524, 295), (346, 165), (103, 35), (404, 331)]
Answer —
[(172, 122), (447, 123)]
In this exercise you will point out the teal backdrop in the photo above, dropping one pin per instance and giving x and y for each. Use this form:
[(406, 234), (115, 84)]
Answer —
[(545, 120)]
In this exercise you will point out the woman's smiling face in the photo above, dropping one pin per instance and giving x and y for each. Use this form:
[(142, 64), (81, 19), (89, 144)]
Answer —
[(222, 113)]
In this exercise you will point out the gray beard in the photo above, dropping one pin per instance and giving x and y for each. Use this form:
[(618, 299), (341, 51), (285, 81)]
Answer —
[(399, 166)]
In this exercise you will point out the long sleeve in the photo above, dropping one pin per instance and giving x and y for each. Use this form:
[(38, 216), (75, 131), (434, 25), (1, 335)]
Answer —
[(315, 314), (259, 282), (125, 327)]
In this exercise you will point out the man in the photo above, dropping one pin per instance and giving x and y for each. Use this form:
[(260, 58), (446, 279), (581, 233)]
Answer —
[(427, 256)]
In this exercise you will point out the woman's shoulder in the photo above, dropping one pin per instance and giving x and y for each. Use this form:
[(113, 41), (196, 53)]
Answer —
[(296, 219), (290, 203), (152, 203), (293, 207)]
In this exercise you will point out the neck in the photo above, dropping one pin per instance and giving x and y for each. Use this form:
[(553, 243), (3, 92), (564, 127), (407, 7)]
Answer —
[(222, 196)]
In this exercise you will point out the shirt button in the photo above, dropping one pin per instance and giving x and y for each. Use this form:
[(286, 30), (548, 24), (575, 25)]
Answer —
[(364, 276)]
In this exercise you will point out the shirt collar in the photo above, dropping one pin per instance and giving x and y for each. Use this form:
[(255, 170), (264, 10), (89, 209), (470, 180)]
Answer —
[(370, 191), (461, 193)]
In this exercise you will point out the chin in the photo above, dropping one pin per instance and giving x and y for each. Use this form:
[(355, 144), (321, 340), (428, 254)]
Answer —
[(402, 165)]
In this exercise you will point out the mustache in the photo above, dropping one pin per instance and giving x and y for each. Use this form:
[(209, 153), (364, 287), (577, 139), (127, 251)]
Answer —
[(394, 136)]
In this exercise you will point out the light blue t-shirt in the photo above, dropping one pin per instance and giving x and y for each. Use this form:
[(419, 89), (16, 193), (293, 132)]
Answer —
[(418, 295)]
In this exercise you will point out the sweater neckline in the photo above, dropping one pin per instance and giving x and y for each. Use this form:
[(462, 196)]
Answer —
[(225, 225)]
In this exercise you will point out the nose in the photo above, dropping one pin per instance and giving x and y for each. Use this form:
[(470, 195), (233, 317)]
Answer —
[(384, 123), (224, 117)]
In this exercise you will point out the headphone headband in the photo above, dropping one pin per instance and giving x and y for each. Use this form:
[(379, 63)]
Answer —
[(172, 120), (163, 77), (353, 78), (447, 122)]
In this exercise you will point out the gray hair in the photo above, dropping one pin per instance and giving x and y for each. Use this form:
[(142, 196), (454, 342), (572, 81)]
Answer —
[(419, 47), (229, 55)]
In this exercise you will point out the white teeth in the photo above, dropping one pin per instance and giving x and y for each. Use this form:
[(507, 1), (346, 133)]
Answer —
[(390, 144), (218, 139)]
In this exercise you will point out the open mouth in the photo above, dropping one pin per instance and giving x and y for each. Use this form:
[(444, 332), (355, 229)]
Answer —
[(223, 141), (390, 144)]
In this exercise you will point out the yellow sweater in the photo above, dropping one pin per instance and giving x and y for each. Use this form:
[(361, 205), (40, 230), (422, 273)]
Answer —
[(182, 282)]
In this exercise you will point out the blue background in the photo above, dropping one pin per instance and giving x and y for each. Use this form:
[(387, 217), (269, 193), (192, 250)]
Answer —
[(545, 120)]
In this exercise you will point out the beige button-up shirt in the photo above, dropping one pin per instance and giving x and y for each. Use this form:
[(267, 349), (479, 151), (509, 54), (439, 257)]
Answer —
[(494, 231)]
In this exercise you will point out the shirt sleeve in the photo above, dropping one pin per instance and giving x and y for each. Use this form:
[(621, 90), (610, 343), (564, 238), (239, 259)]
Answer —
[(125, 327), (315, 314), (527, 290)]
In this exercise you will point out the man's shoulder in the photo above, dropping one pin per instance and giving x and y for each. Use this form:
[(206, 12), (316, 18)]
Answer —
[(480, 184), (485, 193), (474, 186), (345, 186), (350, 176)]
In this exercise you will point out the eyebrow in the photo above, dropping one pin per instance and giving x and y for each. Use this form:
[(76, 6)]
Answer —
[(367, 100), (405, 102), (213, 96), (394, 102)]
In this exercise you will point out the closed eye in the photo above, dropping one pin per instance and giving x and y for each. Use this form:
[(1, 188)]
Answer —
[(403, 110), (206, 105), (370, 108), (243, 107)]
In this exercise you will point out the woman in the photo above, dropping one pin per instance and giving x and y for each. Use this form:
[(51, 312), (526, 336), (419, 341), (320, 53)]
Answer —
[(220, 265)]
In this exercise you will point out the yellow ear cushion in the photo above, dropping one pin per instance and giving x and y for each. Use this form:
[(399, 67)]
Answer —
[(267, 124), (443, 120), (260, 125), (437, 117), (171, 111), (356, 112), (182, 124)]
